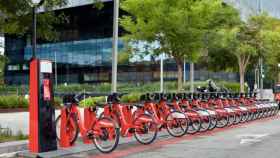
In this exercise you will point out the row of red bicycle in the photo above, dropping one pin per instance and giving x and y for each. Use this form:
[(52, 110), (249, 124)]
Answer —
[(177, 113)]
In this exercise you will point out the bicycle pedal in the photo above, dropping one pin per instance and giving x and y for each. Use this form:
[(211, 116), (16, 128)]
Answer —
[(90, 134), (131, 130)]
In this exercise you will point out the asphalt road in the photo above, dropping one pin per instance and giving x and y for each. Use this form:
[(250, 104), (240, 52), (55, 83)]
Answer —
[(257, 139)]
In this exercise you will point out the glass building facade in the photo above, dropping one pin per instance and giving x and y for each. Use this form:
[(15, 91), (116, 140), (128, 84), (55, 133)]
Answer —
[(83, 51), (93, 52)]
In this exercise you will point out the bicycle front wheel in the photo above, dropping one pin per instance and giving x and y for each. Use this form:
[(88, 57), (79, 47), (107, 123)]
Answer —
[(106, 135)]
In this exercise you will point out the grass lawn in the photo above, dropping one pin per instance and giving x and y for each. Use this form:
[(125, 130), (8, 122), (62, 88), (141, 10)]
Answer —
[(6, 135)]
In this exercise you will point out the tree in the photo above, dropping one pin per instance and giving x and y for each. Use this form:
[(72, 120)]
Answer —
[(16, 18), (270, 39), (180, 27), (3, 61), (240, 42), (123, 57)]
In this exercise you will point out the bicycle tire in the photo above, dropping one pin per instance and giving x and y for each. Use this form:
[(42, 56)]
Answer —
[(76, 133), (191, 125), (169, 130), (207, 124), (154, 136), (117, 137)]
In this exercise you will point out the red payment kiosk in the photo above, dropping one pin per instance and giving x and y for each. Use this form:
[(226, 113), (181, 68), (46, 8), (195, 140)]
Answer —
[(42, 130)]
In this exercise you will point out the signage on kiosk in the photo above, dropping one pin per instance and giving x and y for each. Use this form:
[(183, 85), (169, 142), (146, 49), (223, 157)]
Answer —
[(42, 130)]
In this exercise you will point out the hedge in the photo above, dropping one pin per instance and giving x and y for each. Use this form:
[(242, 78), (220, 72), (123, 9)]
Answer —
[(92, 101), (13, 101), (131, 98)]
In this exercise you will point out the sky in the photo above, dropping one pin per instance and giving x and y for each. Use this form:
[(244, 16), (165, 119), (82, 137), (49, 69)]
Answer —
[(249, 7), (246, 7)]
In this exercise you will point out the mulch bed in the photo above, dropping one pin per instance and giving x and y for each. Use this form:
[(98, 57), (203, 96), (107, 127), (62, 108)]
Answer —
[(13, 110)]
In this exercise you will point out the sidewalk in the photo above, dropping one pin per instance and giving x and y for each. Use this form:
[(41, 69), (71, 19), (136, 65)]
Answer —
[(12, 147), (18, 121)]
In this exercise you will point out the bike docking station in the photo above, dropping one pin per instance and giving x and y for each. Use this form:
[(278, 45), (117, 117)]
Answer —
[(66, 135), (42, 126), (42, 130)]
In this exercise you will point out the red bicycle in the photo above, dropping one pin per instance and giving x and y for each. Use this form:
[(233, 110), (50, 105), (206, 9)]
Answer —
[(195, 115), (166, 117), (103, 131), (139, 123)]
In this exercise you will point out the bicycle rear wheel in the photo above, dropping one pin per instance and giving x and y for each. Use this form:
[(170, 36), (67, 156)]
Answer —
[(205, 123), (177, 124), (231, 119), (108, 139), (194, 125), (245, 116), (237, 118), (146, 131), (222, 121), (72, 128), (214, 122)]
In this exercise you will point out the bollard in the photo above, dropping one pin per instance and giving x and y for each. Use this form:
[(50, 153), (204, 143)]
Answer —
[(64, 134)]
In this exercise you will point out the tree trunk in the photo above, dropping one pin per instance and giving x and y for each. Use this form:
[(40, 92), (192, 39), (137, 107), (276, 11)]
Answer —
[(243, 62), (180, 74), (241, 78)]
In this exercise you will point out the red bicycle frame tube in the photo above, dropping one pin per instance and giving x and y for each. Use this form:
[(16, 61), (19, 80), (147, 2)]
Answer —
[(158, 115), (90, 121), (123, 114)]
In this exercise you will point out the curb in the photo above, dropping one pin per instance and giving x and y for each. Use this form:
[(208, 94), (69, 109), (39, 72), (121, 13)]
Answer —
[(10, 147), (58, 153), (19, 148)]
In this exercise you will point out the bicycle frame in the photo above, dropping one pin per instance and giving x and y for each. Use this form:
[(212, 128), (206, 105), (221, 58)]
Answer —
[(123, 114), (85, 126)]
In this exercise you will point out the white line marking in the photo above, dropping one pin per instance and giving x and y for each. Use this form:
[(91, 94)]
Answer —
[(251, 138)]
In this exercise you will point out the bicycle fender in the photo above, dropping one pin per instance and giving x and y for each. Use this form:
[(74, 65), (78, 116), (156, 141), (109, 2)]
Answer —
[(178, 115)]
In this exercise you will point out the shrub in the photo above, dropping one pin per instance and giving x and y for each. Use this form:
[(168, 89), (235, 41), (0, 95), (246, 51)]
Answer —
[(57, 101), (6, 134), (13, 101), (92, 101), (232, 86), (131, 98)]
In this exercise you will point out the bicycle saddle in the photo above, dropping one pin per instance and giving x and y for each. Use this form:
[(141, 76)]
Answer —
[(160, 96), (180, 96), (147, 97), (115, 97), (69, 99), (138, 105)]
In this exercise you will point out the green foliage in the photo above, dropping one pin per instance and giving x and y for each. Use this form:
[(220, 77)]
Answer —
[(16, 18), (239, 41), (92, 101), (179, 27), (131, 98), (103, 87), (232, 86), (3, 61), (13, 89), (13, 101), (123, 58), (268, 42), (98, 4), (57, 101), (6, 135), (257, 37)]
